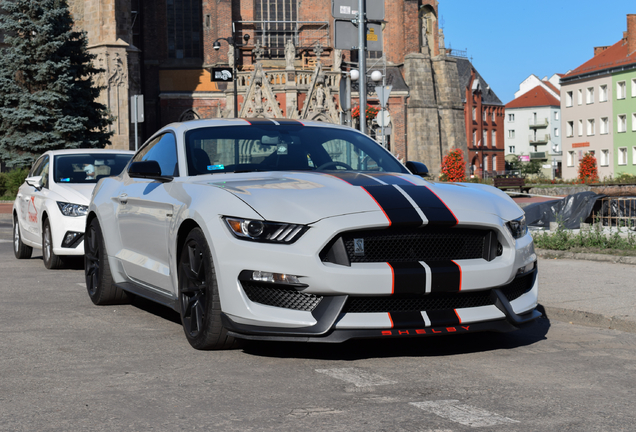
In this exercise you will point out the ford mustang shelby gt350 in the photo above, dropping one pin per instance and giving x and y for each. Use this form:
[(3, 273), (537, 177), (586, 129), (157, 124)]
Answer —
[(303, 231)]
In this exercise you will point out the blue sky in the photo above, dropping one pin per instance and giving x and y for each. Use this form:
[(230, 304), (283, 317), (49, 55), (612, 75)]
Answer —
[(510, 39)]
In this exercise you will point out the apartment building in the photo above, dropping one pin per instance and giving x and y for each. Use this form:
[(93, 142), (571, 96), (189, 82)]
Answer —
[(598, 109)]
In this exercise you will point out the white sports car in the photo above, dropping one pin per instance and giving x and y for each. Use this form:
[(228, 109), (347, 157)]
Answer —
[(49, 211), (304, 231)]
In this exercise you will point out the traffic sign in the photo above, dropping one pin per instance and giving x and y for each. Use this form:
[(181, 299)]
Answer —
[(348, 9), (346, 35), (383, 118), (383, 93)]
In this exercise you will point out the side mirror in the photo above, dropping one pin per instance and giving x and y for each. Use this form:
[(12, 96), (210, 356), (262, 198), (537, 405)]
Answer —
[(417, 168), (149, 169), (35, 181)]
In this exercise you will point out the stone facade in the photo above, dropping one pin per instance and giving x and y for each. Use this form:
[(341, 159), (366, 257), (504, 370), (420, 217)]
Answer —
[(140, 47)]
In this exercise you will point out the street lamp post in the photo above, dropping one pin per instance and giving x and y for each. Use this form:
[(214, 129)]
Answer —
[(232, 42)]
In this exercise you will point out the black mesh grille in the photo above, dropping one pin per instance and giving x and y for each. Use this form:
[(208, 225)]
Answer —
[(288, 298), (418, 244), (435, 301)]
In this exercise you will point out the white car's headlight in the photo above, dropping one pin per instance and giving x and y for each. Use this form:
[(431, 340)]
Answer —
[(69, 209), (518, 227), (263, 231)]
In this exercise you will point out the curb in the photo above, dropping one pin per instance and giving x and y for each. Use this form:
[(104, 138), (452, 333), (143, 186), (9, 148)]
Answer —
[(553, 254), (589, 319)]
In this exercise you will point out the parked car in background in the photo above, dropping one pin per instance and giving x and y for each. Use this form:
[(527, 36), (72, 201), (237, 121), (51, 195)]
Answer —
[(277, 229), (49, 211)]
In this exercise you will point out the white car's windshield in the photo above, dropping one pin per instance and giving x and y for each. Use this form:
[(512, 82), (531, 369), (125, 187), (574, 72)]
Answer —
[(88, 168), (283, 147)]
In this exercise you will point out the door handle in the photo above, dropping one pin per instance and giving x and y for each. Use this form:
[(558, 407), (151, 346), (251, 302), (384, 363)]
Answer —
[(123, 198)]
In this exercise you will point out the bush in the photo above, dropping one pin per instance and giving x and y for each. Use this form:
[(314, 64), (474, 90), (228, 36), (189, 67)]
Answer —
[(453, 166), (10, 183), (588, 171)]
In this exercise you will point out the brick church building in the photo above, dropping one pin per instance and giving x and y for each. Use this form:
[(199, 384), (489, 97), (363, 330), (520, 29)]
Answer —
[(286, 61)]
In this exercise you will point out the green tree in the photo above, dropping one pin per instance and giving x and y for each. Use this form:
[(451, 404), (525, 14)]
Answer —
[(47, 100)]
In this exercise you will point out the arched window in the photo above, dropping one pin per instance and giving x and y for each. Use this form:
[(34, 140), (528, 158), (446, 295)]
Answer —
[(184, 29)]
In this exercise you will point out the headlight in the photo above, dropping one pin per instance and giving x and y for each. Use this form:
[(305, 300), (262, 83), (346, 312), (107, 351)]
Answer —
[(518, 227), (69, 209), (263, 231)]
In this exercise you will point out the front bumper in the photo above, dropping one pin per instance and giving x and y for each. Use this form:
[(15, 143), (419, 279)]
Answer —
[(334, 324)]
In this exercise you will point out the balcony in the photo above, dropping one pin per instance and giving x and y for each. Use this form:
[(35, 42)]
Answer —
[(538, 124), (538, 139), (538, 156)]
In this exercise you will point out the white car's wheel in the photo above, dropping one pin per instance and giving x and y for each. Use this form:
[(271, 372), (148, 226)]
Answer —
[(20, 250), (99, 280), (200, 306), (51, 261)]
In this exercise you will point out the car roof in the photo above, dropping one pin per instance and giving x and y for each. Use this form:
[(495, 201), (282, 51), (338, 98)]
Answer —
[(87, 151), (203, 123)]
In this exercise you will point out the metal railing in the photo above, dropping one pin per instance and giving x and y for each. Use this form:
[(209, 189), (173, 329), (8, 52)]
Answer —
[(616, 212), (538, 138), (538, 155), (538, 123)]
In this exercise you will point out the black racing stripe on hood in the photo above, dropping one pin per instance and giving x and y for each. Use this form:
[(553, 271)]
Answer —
[(259, 121), (356, 179), (397, 208), (435, 210)]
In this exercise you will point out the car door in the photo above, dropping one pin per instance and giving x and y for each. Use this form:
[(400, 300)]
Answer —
[(30, 201), (144, 211)]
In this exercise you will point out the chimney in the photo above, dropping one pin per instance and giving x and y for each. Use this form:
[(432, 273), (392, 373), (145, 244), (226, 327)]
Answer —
[(631, 34), (599, 49)]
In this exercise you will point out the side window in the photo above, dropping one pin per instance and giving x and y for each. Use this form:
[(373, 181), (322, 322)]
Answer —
[(162, 149), (45, 173), (37, 166)]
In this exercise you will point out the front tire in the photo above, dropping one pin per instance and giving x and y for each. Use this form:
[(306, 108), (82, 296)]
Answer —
[(199, 301), (51, 261), (99, 280), (20, 250)]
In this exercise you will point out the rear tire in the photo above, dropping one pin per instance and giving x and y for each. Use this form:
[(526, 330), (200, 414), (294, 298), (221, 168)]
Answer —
[(20, 250), (199, 301), (99, 280), (51, 261)]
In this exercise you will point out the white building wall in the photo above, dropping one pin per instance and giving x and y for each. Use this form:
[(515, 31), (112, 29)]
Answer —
[(575, 146)]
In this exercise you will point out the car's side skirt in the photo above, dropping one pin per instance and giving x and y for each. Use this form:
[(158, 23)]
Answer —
[(150, 294)]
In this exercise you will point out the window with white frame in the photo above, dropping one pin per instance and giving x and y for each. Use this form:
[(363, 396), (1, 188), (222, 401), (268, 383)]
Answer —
[(571, 158), (634, 155), (604, 125), (590, 127), (633, 122), (511, 133), (474, 138), (484, 138), (511, 149), (568, 99), (570, 128), (602, 97), (580, 127), (494, 162), (622, 156), (620, 90), (633, 87), (556, 132), (621, 126), (589, 98), (511, 117), (605, 157), (474, 113), (556, 115), (580, 96), (484, 114), (492, 118), (494, 139), (486, 163)]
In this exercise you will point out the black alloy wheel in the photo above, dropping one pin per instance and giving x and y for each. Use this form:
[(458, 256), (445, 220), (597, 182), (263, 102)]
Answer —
[(99, 280), (199, 302)]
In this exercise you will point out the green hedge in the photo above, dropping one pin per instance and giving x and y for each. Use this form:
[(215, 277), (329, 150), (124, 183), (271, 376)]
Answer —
[(10, 183)]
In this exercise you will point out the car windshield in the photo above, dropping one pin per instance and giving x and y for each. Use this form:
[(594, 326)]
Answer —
[(284, 147), (88, 167)]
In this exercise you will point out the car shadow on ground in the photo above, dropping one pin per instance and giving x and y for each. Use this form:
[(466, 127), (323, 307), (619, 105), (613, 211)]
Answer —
[(409, 347)]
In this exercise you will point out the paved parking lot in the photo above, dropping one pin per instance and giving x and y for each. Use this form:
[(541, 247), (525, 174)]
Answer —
[(69, 365)]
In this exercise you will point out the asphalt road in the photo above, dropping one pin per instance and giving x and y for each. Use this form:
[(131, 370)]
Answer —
[(67, 365)]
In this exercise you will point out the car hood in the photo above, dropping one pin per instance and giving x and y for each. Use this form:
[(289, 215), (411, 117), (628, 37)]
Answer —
[(306, 197), (74, 193)]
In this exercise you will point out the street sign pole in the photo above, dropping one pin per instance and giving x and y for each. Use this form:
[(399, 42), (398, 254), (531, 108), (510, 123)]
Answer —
[(362, 60)]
